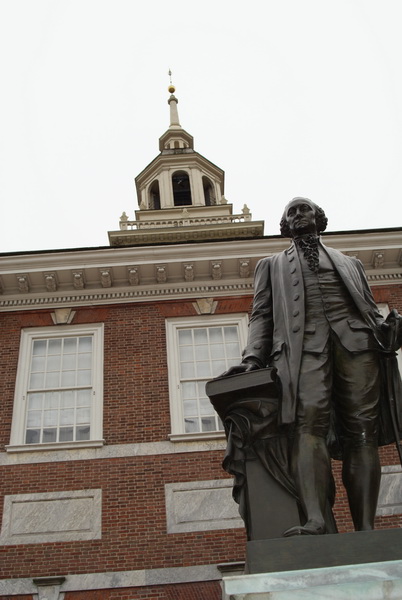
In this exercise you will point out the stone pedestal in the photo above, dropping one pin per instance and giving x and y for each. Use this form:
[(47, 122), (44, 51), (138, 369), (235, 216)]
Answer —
[(363, 565)]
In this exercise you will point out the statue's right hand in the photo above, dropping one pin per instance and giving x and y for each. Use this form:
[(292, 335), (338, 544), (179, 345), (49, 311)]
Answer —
[(243, 367)]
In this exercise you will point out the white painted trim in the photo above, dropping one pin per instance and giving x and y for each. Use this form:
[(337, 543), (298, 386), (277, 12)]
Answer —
[(27, 337), (173, 324)]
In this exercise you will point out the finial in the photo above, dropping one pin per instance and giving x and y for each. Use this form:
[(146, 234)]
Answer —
[(171, 87)]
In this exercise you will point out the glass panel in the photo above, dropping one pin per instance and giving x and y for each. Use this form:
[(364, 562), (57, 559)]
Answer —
[(54, 346), (39, 347), (69, 362), (233, 350), (84, 361), (204, 369), (36, 381), (84, 398), (34, 418), (187, 370), (200, 336), (32, 436), (66, 434), (185, 337), (83, 415), (85, 344), (231, 334), (201, 353), (38, 363), (201, 389), (186, 353), (67, 399), (53, 363), (50, 417), (82, 432), (206, 407), (52, 380), (84, 378), (68, 378), (49, 435), (217, 351), (70, 346), (219, 367), (35, 401), (215, 335), (190, 408), (67, 416), (208, 424), (52, 399), (188, 389), (191, 425)]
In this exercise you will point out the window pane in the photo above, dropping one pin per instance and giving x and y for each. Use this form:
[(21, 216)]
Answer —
[(217, 351), (83, 432), (68, 378), (208, 424), (187, 370), (52, 399), (38, 363), (233, 350), (84, 361), (204, 369), (35, 401), (84, 398), (70, 346), (83, 415), (50, 417), (231, 334), (186, 353), (206, 407), (191, 425), (34, 418), (219, 367), (67, 399), (36, 381), (185, 337), (52, 380), (49, 435), (66, 434), (54, 346), (32, 436), (215, 335), (84, 378), (39, 347), (190, 408), (85, 344), (188, 389), (69, 362), (67, 416), (53, 363), (201, 353), (200, 336)]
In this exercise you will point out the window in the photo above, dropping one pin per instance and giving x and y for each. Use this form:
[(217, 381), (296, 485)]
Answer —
[(181, 189), (58, 396), (200, 348)]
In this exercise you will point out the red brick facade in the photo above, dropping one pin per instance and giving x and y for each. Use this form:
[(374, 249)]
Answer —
[(136, 411)]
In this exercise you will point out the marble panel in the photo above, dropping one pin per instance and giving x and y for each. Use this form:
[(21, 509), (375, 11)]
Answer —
[(201, 506), (390, 497), (51, 516)]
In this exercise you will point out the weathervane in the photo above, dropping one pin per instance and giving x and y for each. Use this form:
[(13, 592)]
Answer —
[(171, 87)]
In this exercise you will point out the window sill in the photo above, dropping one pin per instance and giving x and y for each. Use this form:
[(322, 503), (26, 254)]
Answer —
[(190, 437), (54, 446)]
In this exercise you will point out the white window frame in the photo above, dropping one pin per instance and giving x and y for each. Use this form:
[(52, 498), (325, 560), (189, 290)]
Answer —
[(28, 336), (173, 325)]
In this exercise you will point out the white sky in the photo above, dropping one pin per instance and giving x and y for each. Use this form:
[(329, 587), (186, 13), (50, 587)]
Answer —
[(289, 97)]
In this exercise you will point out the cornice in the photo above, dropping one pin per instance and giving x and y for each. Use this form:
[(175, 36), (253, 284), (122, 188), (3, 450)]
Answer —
[(175, 271)]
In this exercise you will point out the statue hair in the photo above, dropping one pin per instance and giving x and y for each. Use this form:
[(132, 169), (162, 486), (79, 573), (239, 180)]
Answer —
[(320, 219)]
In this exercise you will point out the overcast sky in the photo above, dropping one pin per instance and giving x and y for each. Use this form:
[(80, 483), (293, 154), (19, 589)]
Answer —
[(289, 97)]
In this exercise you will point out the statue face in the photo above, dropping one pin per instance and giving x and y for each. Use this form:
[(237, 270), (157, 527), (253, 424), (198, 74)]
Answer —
[(300, 216)]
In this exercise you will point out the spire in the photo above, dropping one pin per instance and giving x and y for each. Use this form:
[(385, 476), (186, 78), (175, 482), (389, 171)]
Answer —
[(173, 101)]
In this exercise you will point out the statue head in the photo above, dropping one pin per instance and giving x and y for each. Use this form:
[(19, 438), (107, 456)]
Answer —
[(302, 216)]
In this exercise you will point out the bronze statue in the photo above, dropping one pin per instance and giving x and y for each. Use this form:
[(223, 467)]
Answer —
[(315, 320)]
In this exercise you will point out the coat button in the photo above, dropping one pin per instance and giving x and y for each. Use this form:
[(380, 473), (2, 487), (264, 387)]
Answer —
[(293, 270), (257, 346), (296, 297), (295, 313), (291, 258), (296, 328), (295, 282)]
